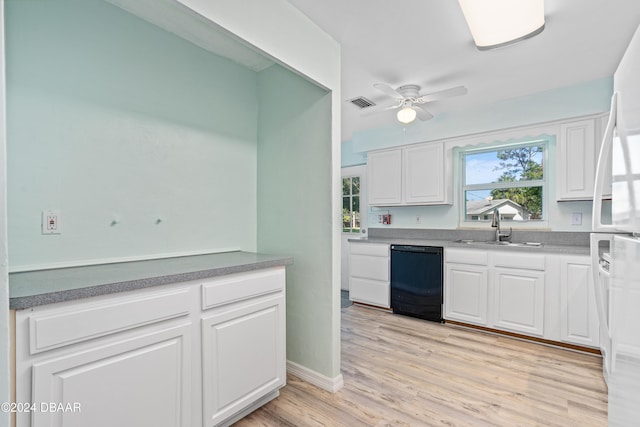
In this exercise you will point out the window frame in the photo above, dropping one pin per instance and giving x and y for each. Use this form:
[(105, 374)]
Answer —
[(544, 182), (351, 195)]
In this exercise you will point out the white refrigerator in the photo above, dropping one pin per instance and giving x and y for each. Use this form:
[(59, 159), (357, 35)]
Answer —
[(615, 246)]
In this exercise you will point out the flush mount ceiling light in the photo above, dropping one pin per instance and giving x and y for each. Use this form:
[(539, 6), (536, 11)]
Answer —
[(406, 115), (497, 23)]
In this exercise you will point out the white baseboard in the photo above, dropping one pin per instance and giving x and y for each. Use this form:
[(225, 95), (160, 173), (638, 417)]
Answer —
[(330, 384)]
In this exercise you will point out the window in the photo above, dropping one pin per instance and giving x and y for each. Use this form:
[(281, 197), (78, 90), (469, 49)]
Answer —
[(508, 178), (351, 204)]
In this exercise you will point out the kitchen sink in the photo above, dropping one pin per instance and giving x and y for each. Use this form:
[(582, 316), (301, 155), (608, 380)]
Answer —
[(496, 243)]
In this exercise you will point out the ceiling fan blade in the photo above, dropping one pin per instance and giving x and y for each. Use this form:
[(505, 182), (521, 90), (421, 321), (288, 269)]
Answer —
[(447, 93), (380, 109), (421, 113), (388, 90)]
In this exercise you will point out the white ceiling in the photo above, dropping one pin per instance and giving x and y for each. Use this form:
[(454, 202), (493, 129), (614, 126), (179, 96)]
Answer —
[(427, 42)]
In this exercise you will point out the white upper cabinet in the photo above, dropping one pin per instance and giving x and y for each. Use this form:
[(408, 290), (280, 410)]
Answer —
[(384, 171), (415, 175), (576, 160), (424, 174)]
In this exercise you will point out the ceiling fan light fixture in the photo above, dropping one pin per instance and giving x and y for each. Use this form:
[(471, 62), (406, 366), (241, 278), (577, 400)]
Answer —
[(498, 23), (406, 115)]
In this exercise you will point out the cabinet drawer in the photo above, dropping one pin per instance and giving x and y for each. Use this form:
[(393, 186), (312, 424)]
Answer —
[(238, 287), (369, 267), (370, 292), (466, 256), (527, 261), (372, 249), (52, 328)]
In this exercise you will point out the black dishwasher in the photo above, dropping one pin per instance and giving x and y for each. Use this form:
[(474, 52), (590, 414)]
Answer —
[(416, 281)]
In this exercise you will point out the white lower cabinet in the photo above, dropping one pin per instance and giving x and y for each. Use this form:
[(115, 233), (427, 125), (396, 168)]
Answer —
[(519, 300), (369, 279), (140, 381), (466, 286), (578, 315), (547, 296), (243, 352), (197, 353)]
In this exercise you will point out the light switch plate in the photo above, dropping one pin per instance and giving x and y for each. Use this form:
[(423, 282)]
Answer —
[(576, 218)]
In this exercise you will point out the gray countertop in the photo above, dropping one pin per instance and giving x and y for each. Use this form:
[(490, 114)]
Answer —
[(479, 245), (33, 288)]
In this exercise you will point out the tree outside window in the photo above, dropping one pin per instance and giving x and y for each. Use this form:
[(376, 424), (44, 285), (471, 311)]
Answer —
[(510, 179), (351, 204)]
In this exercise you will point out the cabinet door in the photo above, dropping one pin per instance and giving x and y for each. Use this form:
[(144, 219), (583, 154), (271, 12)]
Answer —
[(424, 180), (576, 161), (384, 172), (601, 126), (466, 293), (578, 316), (367, 291), (142, 381), (243, 356), (519, 300)]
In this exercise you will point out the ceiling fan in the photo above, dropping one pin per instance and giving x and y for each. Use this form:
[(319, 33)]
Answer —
[(409, 100)]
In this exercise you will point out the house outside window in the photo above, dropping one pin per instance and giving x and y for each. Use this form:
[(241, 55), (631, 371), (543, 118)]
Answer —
[(509, 178), (351, 204)]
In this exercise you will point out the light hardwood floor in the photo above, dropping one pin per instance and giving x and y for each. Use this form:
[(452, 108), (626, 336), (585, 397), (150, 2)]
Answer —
[(400, 371)]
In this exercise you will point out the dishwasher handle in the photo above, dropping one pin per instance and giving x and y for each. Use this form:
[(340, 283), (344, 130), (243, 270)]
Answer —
[(421, 249)]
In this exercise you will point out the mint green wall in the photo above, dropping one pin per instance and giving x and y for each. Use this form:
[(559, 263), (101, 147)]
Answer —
[(4, 278), (111, 118), (294, 208), (572, 101), (350, 157)]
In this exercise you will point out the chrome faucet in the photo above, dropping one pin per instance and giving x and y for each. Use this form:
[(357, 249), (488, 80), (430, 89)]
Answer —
[(500, 236)]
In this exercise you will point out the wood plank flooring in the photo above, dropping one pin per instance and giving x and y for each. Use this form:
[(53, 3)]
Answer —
[(400, 371)]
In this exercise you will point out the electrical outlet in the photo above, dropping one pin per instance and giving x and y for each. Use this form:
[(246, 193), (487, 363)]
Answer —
[(418, 219), (576, 218), (51, 222)]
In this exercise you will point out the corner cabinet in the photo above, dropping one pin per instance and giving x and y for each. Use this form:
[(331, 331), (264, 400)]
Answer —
[(413, 175)]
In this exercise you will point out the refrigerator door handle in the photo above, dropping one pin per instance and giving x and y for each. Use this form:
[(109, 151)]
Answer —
[(603, 160)]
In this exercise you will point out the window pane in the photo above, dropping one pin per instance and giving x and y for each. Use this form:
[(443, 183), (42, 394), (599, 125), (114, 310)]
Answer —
[(355, 224), (346, 184), (346, 214), (513, 204), (355, 214), (356, 185), (507, 165)]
